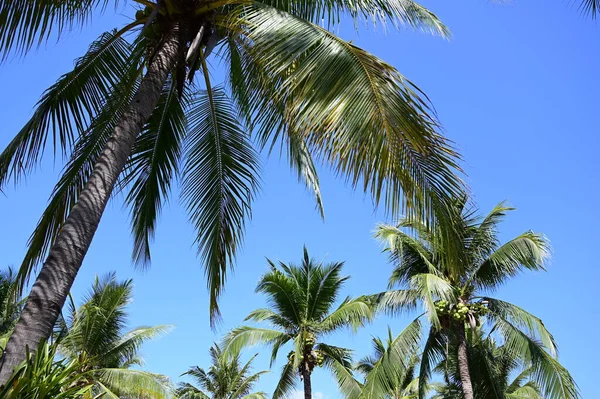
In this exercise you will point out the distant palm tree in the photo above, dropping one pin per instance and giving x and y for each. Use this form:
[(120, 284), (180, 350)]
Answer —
[(301, 299), (226, 378), (401, 385), (453, 289), (94, 334), (493, 368), (10, 304), (131, 116)]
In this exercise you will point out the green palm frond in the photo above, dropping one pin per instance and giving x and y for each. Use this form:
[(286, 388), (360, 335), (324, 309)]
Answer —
[(554, 380), (152, 166), (352, 106), (287, 382), (430, 288), (434, 351), (392, 364), (68, 106), (528, 251), (245, 336), (517, 316), (272, 317), (339, 362), (351, 313), (396, 12), (77, 171), (395, 302), (219, 181), (134, 383), (125, 349), (25, 24)]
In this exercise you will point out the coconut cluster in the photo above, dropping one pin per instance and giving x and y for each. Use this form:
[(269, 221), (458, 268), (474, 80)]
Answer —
[(459, 311)]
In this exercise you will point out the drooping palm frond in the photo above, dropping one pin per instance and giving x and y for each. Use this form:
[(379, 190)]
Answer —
[(152, 167), (349, 104), (219, 182), (430, 288), (397, 12), (590, 7), (351, 312), (287, 382), (246, 336), (339, 362), (25, 24), (68, 107)]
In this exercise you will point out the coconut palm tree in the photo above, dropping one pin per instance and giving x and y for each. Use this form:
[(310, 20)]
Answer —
[(402, 385), (226, 378), (455, 297), (94, 335), (10, 305), (301, 299), (494, 368), (131, 112)]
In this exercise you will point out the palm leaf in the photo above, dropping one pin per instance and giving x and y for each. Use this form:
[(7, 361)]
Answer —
[(339, 361), (245, 336), (219, 181), (287, 382), (134, 383), (68, 106), (152, 166), (351, 106), (352, 312)]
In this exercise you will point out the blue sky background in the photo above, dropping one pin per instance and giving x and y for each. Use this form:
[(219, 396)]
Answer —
[(516, 88)]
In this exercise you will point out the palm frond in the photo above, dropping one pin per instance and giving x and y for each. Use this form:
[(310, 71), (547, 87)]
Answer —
[(352, 107), (25, 24), (519, 317), (68, 106), (127, 347), (287, 382), (433, 352), (246, 336), (339, 361), (529, 250), (393, 363), (152, 167), (302, 161), (219, 181), (134, 383), (554, 380), (429, 288), (590, 7), (395, 302), (351, 313)]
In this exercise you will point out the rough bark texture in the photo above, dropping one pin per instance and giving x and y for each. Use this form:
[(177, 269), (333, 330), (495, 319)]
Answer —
[(307, 383), (463, 362), (56, 277)]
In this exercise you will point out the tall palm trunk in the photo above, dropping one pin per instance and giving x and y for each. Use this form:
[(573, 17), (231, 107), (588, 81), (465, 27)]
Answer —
[(54, 282), (463, 362), (307, 383)]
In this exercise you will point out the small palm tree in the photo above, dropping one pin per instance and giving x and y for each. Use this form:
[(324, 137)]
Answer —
[(10, 304), (401, 385), (493, 368), (94, 335), (301, 299), (452, 287), (131, 113), (226, 378)]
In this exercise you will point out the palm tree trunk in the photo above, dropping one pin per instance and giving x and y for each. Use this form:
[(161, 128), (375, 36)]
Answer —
[(463, 362), (54, 282), (307, 383)]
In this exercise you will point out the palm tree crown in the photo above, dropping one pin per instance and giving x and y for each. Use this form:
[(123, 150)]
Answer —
[(226, 378), (301, 310), (94, 334), (454, 293)]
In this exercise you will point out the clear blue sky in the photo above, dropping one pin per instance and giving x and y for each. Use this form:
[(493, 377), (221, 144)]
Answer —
[(517, 89)]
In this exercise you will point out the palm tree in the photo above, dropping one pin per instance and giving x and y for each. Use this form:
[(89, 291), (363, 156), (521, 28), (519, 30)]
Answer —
[(397, 385), (453, 292), (301, 298), (93, 334), (10, 305), (130, 113), (494, 368), (226, 378)]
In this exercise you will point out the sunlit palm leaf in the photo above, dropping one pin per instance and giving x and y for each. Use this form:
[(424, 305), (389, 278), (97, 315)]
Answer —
[(430, 288), (219, 182), (245, 336), (350, 106), (287, 382), (351, 313), (134, 383)]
